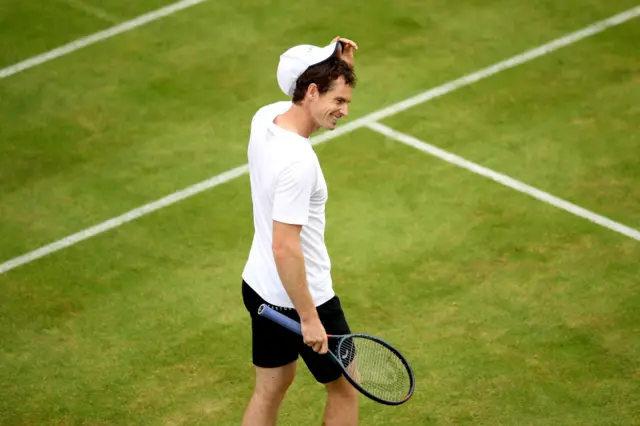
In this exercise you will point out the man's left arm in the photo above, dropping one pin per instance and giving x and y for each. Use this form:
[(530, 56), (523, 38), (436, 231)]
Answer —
[(349, 47)]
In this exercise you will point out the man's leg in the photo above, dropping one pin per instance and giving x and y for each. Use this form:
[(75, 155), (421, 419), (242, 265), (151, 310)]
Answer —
[(270, 388), (342, 397), (274, 353), (342, 404)]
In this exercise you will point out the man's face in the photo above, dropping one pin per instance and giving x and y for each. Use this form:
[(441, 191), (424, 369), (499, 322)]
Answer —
[(328, 108)]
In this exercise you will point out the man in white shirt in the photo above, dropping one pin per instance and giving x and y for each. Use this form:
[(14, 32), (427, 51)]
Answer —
[(288, 266)]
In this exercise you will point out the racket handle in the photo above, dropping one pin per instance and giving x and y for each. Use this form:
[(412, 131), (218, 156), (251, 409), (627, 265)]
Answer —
[(283, 320)]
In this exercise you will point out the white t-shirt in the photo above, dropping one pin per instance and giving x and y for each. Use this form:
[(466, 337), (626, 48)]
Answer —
[(287, 185)]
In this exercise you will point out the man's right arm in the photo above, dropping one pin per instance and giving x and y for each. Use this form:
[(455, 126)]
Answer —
[(291, 210), (289, 260), (290, 263)]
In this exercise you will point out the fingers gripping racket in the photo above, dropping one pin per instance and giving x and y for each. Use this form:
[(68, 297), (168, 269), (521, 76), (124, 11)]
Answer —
[(371, 365)]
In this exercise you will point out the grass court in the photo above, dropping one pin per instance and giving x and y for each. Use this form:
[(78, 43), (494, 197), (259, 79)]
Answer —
[(511, 311)]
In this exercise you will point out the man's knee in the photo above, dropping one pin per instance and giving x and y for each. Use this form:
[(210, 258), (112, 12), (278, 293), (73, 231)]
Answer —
[(342, 389), (342, 404), (273, 383)]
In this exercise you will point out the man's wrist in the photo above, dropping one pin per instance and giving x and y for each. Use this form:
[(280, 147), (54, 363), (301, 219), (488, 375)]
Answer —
[(310, 315)]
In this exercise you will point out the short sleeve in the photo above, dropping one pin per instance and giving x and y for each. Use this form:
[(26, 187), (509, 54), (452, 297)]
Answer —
[(293, 193)]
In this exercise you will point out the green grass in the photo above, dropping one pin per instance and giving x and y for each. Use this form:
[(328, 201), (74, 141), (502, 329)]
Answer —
[(511, 311), (505, 123), (29, 28)]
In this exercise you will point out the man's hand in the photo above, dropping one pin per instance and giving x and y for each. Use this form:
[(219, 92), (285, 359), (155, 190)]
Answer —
[(314, 335), (349, 48)]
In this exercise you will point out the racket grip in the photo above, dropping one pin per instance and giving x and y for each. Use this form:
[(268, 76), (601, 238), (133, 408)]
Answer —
[(283, 320)]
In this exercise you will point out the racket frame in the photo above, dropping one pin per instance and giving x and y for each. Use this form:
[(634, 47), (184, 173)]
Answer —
[(266, 311)]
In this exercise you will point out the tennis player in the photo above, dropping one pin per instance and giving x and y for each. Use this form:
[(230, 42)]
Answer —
[(288, 266)]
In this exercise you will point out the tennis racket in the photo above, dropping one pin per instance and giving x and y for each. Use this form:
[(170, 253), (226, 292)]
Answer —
[(374, 367)]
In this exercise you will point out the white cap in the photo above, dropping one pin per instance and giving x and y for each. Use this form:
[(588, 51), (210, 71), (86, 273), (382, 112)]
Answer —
[(296, 60)]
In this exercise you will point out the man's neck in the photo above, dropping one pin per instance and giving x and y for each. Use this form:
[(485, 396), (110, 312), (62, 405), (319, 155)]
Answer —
[(296, 120)]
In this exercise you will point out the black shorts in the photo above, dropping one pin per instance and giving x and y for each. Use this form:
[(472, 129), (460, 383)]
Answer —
[(275, 346)]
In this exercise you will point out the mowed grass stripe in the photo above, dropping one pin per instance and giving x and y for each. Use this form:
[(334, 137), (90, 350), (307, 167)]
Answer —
[(94, 38), (567, 124), (127, 217), (378, 115), (31, 28), (510, 312), (505, 180)]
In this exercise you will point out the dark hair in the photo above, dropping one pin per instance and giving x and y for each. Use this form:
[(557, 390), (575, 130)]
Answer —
[(323, 75)]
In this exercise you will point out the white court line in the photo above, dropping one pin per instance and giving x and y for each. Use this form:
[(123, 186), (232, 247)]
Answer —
[(127, 217), (96, 37), (349, 127), (505, 180)]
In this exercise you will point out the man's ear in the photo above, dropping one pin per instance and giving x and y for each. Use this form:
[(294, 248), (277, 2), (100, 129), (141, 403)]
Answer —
[(312, 91)]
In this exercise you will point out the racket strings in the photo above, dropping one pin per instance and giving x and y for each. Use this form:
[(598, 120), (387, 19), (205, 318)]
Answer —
[(375, 367)]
